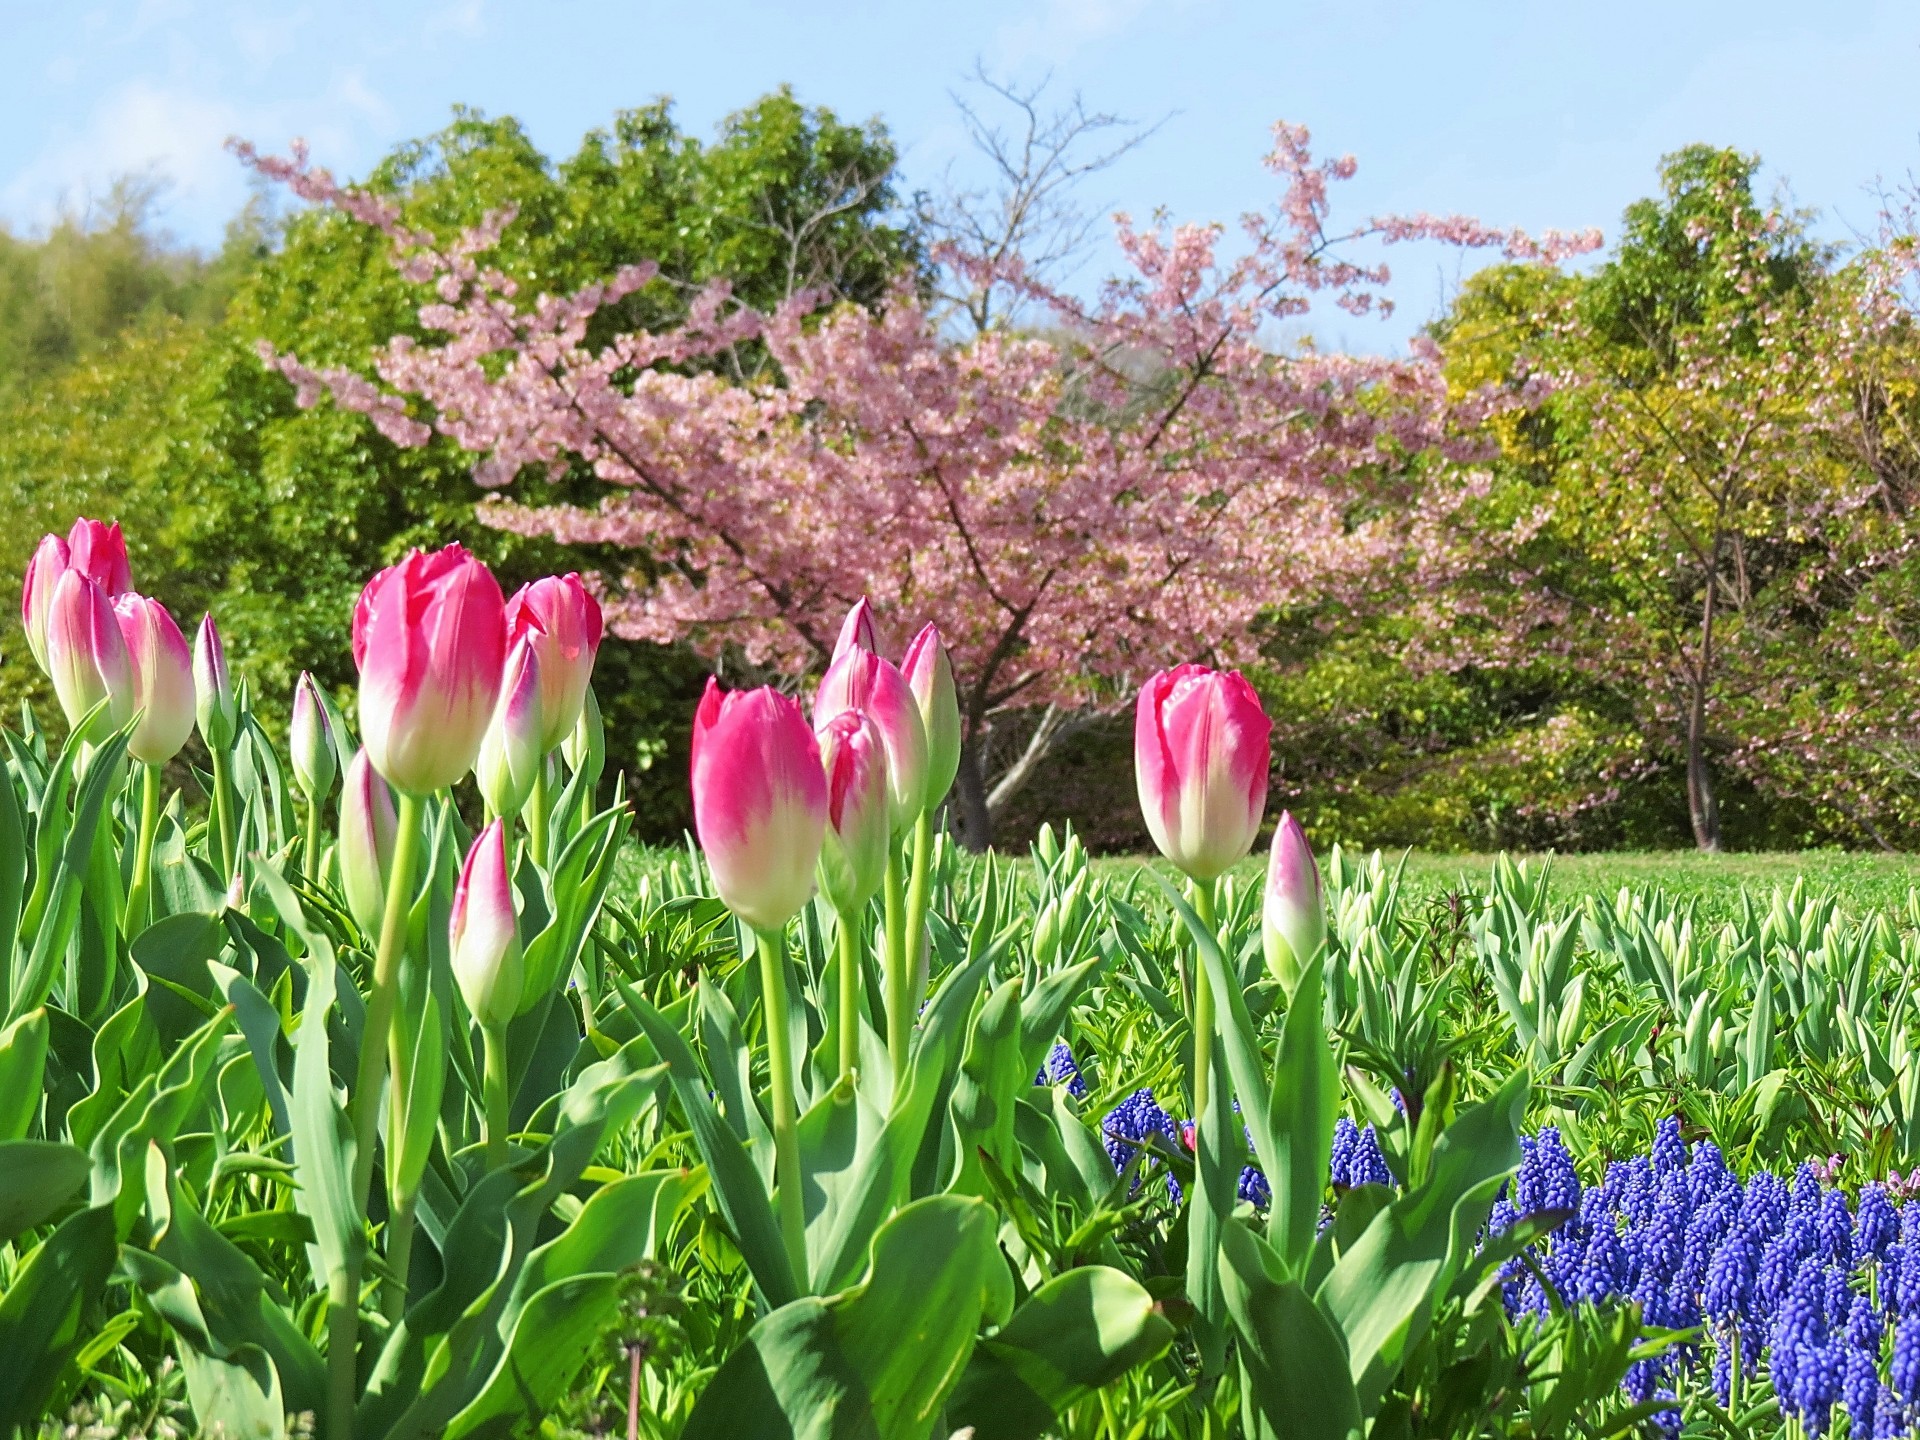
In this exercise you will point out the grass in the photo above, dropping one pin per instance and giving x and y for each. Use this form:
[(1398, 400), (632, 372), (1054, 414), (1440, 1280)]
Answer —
[(1863, 881)]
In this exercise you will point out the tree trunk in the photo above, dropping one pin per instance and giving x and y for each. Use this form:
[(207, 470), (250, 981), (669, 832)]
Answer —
[(973, 820), (1702, 808)]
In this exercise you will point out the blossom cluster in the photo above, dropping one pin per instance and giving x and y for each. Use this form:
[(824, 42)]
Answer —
[(1783, 1278)]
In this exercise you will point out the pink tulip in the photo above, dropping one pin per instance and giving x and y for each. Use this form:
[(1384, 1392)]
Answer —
[(99, 551), (429, 637), (512, 752), (86, 653), (49, 563), (310, 741), (1294, 920), (759, 801), (162, 668), (217, 707), (929, 674), (484, 937), (856, 629), (853, 857), (861, 680), (369, 828), (562, 621), (1201, 752)]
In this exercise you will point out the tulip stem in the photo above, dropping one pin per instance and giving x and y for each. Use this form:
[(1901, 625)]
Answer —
[(851, 924), (227, 853), (537, 816), (917, 903), (311, 855), (899, 998), (343, 1300), (137, 898), (786, 1124), (496, 1121), (1202, 1011), (400, 1230)]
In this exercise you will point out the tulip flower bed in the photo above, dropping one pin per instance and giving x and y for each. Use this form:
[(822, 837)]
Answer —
[(358, 1101)]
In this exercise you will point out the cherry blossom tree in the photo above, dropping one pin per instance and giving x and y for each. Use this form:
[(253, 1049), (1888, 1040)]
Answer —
[(1075, 511)]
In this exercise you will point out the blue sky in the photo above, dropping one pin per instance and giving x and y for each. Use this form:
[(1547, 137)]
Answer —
[(1530, 114)]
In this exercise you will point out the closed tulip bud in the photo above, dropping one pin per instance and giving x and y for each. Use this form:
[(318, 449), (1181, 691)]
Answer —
[(512, 752), (1201, 753), (86, 653), (1293, 927), (218, 709), (485, 939), (315, 760), (162, 678), (759, 801), (562, 621), (368, 828), (429, 638), (49, 563), (586, 747), (929, 674), (853, 856), (856, 629), (99, 551), (861, 680)]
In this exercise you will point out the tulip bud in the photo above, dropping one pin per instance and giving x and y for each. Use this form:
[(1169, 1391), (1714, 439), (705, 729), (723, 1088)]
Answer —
[(219, 711), (856, 629), (562, 622), (162, 678), (1293, 927), (485, 941), (315, 760), (929, 674), (99, 551), (759, 801), (586, 747), (512, 752), (49, 563), (1201, 754), (429, 637), (861, 680), (86, 653), (368, 830), (853, 855)]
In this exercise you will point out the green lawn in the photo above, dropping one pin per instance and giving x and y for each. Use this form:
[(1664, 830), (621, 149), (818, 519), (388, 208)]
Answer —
[(1865, 881)]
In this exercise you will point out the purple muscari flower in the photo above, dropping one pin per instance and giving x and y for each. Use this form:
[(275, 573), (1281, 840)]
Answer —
[(1731, 1273), (1546, 1179), (1765, 1206), (1708, 1177), (1368, 1166), (1808, 1367), (1879, 1223), (1131, 1122), (1860, 1388), (1889, 1416), (1904, 1372), (1669, 1150), (1603, 1265), (1806, 1187), (1346, 1138), (1061, 1067), (1906, 1285), (1835, 1223), (1254, 1188)]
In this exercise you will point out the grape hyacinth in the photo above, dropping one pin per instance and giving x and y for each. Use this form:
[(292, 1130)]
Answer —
[(1061, 1068)]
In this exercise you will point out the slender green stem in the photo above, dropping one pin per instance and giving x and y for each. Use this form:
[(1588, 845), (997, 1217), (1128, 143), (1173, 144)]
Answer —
[(786, 1122), (918, 900), (343, 1338), (138, 896), (537, 816), (225, 824), (310, 850), (495, 1131), (1202, 1012), (899, 981), (851, 963), (343, 1300), (402, 1221), (383, 996)]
